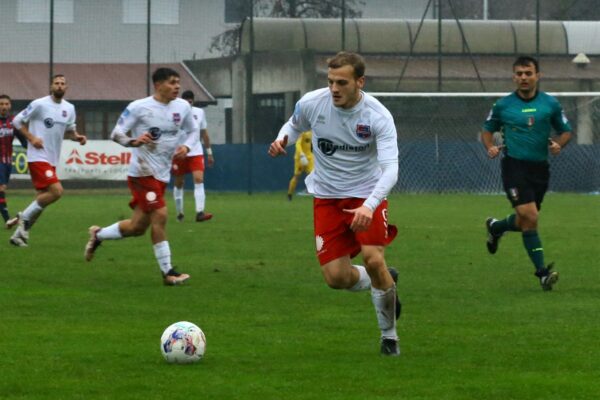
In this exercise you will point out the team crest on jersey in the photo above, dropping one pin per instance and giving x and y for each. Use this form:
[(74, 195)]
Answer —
[(64, 113), (48, 123), (514, 193), (176, 118), (530, 121), (363, 131)]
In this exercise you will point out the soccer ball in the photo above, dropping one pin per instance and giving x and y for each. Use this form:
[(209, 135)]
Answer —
[(182, 343)]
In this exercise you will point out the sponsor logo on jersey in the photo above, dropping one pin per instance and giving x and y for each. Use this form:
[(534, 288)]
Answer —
[(48, 123), (328, 148), (154, 133), (363, 131), (176, 118)]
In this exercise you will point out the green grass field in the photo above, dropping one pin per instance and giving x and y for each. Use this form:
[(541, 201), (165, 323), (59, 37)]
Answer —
[(474, 326)]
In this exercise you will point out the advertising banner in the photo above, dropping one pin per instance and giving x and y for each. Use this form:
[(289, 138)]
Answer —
[(98, 159)]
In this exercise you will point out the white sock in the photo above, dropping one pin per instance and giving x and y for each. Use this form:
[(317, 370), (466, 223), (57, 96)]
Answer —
[(31, 213), (385, 308), (178, 196), (111, 232), (364, 282), (200, 196), (162, 252)]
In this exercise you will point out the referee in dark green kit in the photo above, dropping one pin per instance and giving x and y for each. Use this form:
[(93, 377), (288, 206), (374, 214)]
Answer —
[(525, 118)]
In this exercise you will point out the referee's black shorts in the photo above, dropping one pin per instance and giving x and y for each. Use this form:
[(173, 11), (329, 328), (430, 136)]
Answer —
[(525, 181)]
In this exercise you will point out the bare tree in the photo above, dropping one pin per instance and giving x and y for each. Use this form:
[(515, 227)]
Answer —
[(227, 43)]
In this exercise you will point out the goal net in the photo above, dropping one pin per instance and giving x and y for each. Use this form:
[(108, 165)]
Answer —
[(441, 151)]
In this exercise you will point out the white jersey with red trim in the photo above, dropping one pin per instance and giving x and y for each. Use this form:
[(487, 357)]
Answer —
[(167, 123), (200, 118), (49, 121), (351, 146)]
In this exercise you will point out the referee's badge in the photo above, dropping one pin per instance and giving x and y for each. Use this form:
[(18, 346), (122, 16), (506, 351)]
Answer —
[(514, 193), (530, 121)]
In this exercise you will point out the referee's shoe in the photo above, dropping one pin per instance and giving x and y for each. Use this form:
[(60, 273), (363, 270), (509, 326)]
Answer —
[(492, 239), (547, 277)]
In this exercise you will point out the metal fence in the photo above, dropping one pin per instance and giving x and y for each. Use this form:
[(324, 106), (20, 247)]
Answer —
[(250, 60)]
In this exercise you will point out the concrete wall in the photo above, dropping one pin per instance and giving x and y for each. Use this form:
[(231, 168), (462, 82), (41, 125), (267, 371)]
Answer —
[(395, 36)]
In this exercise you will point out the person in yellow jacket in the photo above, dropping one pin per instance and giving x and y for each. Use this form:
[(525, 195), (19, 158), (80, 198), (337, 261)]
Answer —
[(303, 160)]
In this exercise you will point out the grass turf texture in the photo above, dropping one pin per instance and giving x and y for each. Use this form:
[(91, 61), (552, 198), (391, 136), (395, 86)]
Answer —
[(474, 326)]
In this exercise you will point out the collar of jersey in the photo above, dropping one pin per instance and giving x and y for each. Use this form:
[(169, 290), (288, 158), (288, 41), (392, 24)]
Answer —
[(527, 100)]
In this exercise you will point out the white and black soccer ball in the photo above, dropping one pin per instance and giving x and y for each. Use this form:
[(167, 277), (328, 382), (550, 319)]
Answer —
[(183, 343)]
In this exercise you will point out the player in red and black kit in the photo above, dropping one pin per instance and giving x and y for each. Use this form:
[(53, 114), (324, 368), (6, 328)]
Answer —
[(7, 134)]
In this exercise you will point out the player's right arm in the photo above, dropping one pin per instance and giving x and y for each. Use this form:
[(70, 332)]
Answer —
[(122, 131), (492, 124), (290, 131), (21, 122)]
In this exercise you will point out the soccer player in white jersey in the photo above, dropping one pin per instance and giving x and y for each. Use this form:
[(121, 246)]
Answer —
[(153, 127), (194, 163), (45, 123), (356, 165)]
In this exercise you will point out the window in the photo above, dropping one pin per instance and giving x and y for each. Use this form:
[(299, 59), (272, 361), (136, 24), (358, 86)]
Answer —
[(98, 125), (237, 10), (269, 115), (35, 11), (164, 12), (94, 124)]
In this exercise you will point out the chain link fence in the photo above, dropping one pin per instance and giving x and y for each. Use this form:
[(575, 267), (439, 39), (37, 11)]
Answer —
[(249, 61)]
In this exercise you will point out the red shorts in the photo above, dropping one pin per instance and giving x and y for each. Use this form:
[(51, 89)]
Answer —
[(148, 193), (187, 165), (335, 239), (42, 174)]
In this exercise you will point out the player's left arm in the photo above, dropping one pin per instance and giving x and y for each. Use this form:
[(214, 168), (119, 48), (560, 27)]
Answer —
[(560, 123), (76, 137), (206, 143), (71, 131), (387, 157)]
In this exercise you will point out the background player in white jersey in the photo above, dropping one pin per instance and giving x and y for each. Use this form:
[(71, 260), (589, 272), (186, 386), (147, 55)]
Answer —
[(45, 123), (194, 163), (356, 165), (153, 127)]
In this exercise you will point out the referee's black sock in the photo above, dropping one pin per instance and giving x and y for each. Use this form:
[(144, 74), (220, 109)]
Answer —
[(3, 209), (506, 224)]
